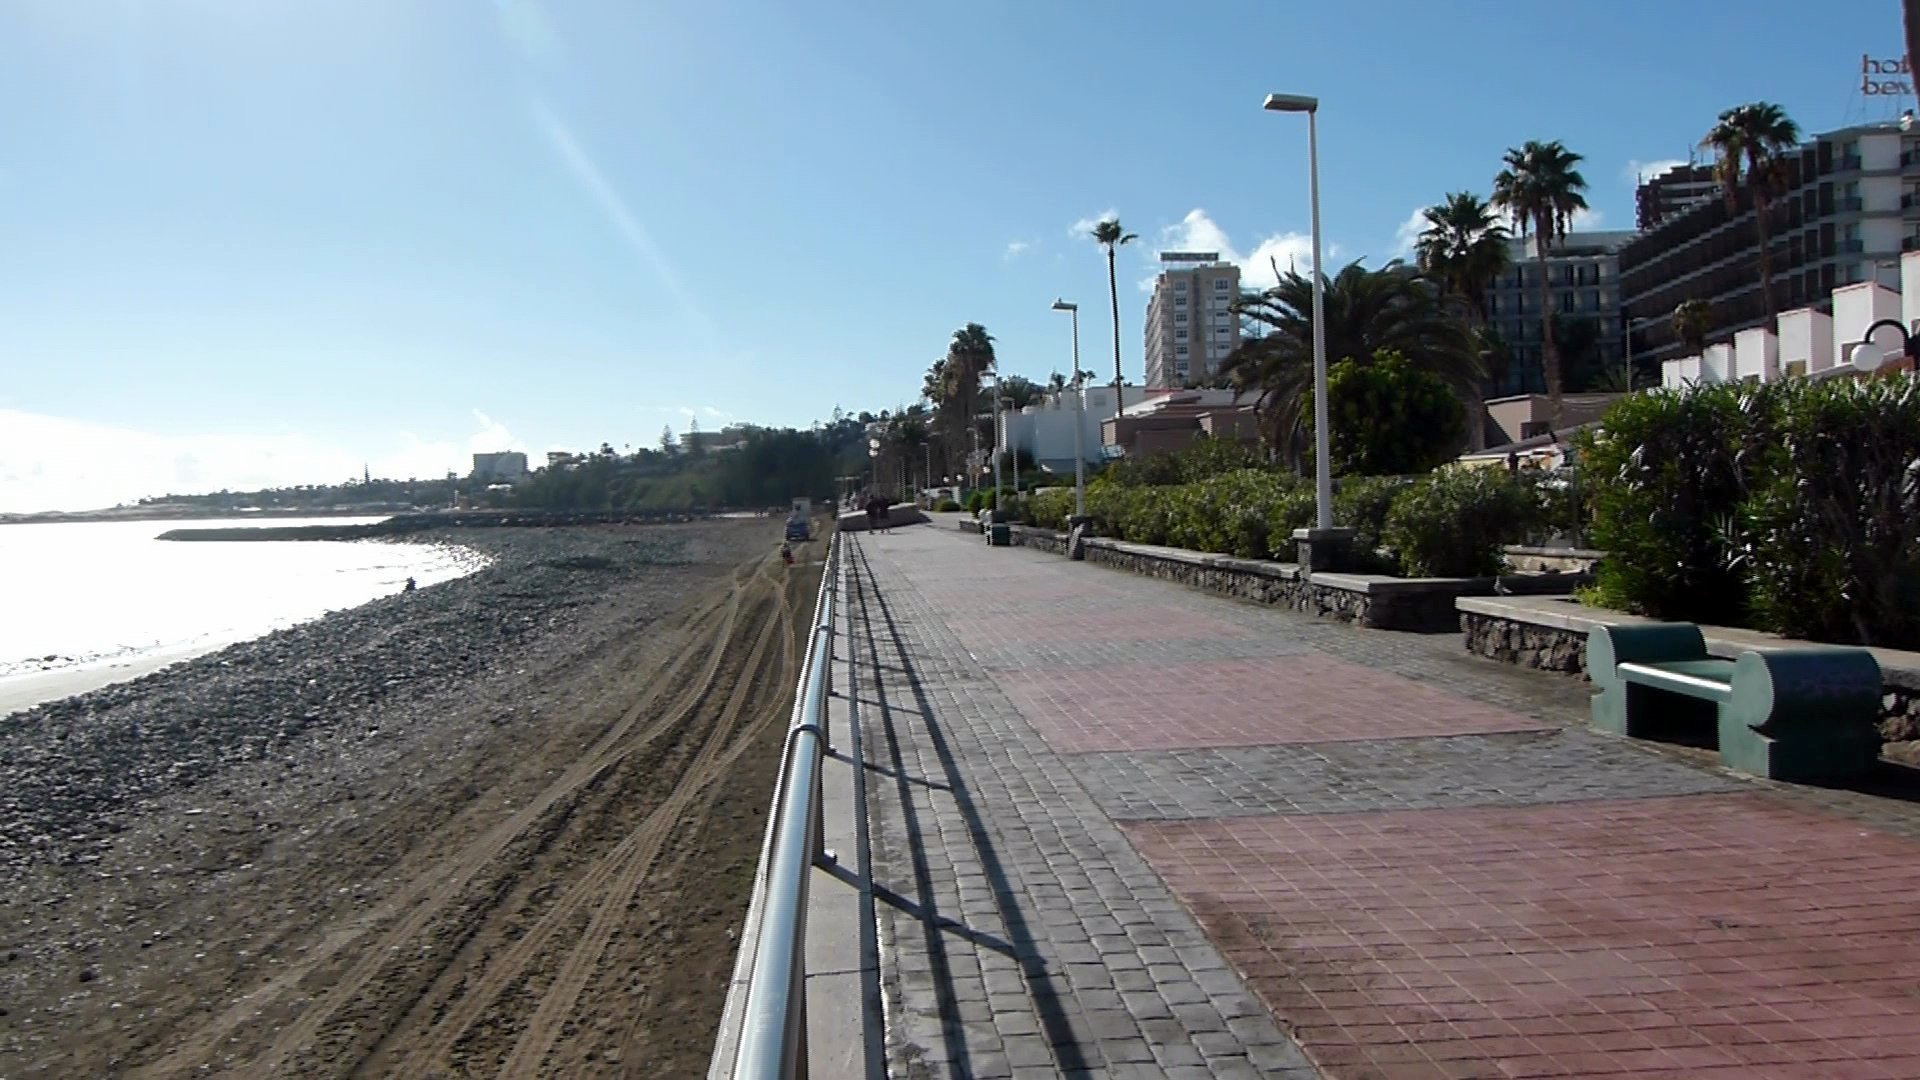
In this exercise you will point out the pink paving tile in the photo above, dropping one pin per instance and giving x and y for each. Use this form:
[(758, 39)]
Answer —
[(1595, 934), (1286, 699), (1120, 624)]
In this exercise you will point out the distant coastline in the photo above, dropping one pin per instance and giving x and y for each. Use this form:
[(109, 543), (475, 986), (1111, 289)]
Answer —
[(194, 513)]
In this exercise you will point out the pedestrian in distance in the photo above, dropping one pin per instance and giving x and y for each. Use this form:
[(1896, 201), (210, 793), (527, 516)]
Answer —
[(877, 514)]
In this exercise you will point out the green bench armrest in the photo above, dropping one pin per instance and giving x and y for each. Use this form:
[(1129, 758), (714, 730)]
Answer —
[(1794, 688)]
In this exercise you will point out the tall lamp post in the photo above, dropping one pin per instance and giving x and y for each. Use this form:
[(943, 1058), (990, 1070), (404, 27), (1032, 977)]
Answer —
[(1080, 414), (1322, 443), (997, 438)]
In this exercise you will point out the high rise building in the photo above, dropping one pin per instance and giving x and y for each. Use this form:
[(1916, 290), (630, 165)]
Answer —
[(1673, 192), (1191, 325), (1583, 281), (1849, 206)]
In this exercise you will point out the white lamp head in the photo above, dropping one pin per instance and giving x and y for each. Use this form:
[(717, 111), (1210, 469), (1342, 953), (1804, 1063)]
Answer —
[(1866, 356), (1292, 103)]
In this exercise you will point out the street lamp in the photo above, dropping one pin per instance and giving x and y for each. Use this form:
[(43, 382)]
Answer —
[(1867, 357), (994, 379), (1080, 414), (1322, 448)]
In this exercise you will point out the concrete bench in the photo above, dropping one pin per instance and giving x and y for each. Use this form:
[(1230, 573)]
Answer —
[(1787, 714)]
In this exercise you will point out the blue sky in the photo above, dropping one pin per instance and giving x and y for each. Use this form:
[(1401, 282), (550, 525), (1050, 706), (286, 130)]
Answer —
[(247, 242)]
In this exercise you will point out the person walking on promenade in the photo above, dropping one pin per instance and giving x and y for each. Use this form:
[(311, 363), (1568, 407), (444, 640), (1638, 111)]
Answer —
[(876, 513)]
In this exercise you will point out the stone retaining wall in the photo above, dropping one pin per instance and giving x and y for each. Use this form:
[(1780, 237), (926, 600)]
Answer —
[(1374, 601), (1552, 559), (1563, 649)]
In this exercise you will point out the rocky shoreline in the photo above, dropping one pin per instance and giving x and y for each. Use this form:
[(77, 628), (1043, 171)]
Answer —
[(79, 770)]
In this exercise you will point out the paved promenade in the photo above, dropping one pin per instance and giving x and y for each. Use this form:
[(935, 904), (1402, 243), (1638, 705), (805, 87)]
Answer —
[(1121, 828)]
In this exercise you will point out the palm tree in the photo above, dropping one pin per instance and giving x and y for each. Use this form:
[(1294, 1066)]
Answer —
[(1910, 14), (1108, 234), (1463, 249), (1749, 141), (969, 356), (1366, 311), (1541, 190), (1692, 320), (910, 438)]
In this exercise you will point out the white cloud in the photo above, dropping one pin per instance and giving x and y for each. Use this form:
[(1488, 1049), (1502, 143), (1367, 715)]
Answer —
[(1199, 232), (1636, 170), (1081, 228), (1409, 230), (1016, 248), (57, 463)]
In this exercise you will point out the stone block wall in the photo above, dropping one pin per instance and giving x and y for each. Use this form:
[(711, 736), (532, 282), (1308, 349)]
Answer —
[(1562, 650)]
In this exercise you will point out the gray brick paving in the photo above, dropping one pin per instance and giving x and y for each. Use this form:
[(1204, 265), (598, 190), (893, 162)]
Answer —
[(1391, 774), (1024, 917), (1032, 940)]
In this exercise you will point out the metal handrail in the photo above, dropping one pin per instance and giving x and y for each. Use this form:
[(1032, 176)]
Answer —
[(773, 1026)]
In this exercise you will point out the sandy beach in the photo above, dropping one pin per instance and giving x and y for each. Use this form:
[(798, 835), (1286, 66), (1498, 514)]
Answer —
[(501, 825)]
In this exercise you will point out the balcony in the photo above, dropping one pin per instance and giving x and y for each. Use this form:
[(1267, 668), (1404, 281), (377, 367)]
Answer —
[(1910, 243), (1909, 200), (1849, 247), (1847, 164), (1849, 206)]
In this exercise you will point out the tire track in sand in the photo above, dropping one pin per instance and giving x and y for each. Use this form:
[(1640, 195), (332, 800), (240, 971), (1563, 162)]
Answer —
[(724, 746), (623, 863), (432, 891)]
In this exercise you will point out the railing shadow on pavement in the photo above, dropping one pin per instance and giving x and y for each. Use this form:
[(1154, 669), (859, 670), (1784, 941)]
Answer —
[(1044, 988)]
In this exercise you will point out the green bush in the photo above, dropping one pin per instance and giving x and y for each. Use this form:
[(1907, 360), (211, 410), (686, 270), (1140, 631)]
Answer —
[(1227, 513), (1388, 417), (1049, 509), (1666, 479), (1292, 509), (1832, 540), (1361, 504), (946, 506), (1454, 522), (1201, 459)]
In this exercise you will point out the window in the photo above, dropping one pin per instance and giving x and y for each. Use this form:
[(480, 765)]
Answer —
[(1179, 350), (1179, 288), (1179, 335), (1220, 284), (1180, 301), (1179, 317)]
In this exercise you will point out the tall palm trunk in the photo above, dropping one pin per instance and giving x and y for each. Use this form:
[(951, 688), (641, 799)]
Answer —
[(1910, 11), (1549, 348), (1761, 204), (1113, 293)]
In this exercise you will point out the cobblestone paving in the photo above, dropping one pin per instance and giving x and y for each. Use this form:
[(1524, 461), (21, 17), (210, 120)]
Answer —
[(1421, 861), (1712, 936), (1024, 936), (1389, 774)]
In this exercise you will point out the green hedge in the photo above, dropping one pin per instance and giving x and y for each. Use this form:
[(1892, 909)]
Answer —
[(1665, 481), (1792, 507), (1361, 504), (1233, 513), (1453, 522)]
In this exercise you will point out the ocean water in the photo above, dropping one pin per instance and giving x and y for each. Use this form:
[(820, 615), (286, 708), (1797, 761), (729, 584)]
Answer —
[(80, 595)]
